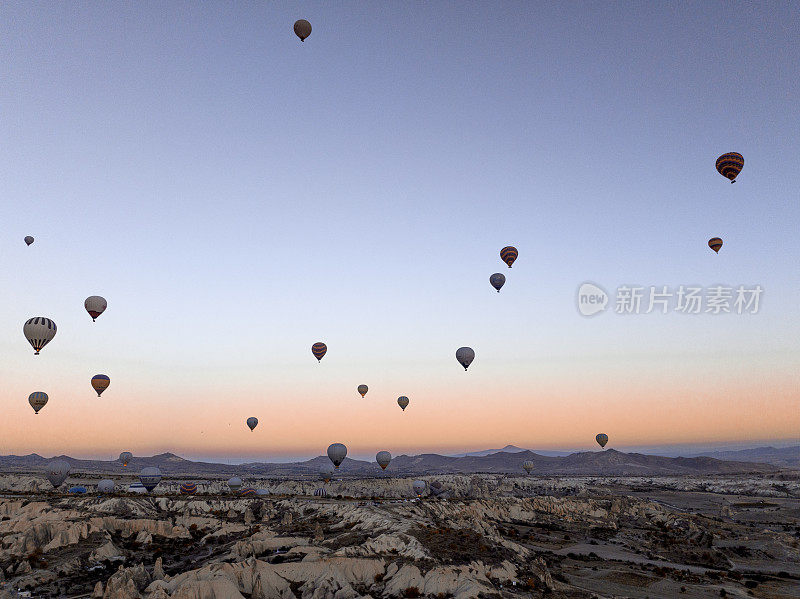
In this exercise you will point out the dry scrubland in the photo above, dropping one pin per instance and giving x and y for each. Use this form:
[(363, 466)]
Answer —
[(486, 536)]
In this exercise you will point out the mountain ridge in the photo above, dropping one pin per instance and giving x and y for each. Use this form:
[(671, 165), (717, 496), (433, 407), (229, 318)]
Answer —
[(608, 462)]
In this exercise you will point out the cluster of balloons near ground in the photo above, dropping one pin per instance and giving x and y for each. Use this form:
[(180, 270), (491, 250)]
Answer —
[(58, 471)]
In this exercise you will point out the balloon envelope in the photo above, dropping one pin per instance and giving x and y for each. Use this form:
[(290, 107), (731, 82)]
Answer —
[(57, 472), (362, 389), (252, 422), (38, 399), (188, 488), (730, 165), (508, 254), (95, 306), (105, 486), (100, 383), (383, 458), (28, 239), (337, 452), (319, 349), (528, 465), (302, 29), (125, 457), (402, 401), (715, 243), (419, 487), (465, 356), (150, 477), (235, 483), (602, 439), (326, 472), (497, 280), (39, 331)]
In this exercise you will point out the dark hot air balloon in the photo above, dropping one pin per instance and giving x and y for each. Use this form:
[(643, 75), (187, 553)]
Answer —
[(100, 382), (319, 349), (302, 29), (730, 165), (715, 243), (497, 280), (508, 254)]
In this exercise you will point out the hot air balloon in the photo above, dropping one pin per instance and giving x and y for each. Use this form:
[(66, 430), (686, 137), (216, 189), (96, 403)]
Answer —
[(337, 453), (715, 243), (28, 239), (302, 29), (38, 399), (319, 349), (234, 484), (188, 488), (95, 306), (383, 458), (508, 254), (252, 422), (39, 331), (497, 280), (437, 488), (402, 401), (326, 472), (105, 486), (730, 165), (362, 389), (100, 382), (57, 472), (419, 487), (465, 356), (528, 466), (150, 477), (78, 490), (247, 492), (320, 492), (125, 457), (262, 491), (602, 439)]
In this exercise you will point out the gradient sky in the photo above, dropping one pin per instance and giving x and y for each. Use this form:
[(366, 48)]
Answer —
[(237, 195)]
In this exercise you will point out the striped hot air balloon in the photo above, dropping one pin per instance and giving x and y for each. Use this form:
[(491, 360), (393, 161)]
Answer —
[(39, 331), (362, 389), (188, 489), (320, 492), (247, 492), (715, 243), (601, 439), (100, 382), (508, 254), (319, 349), (730, 165), (37, 399)]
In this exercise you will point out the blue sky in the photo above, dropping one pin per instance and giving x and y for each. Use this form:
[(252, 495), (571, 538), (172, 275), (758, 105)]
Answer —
[(237, 195)]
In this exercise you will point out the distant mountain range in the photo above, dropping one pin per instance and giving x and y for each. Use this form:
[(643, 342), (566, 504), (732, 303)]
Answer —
[(784, 457), (510, 449), (590, 463)]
